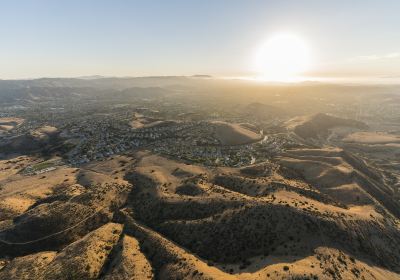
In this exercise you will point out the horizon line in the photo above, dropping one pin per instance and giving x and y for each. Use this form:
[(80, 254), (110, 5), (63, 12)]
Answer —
[(357, 80)]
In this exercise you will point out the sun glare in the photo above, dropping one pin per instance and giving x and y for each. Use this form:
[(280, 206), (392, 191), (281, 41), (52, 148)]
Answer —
[(283, 57)]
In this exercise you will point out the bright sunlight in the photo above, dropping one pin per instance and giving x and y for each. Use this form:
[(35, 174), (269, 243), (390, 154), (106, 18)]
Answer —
[(283, 57)]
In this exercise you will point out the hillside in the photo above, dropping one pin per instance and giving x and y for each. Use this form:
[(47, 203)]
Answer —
[(146, 216), (234, 134), (319, 124)]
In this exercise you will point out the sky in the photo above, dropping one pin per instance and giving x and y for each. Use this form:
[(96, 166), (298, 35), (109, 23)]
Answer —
[(54, 38)]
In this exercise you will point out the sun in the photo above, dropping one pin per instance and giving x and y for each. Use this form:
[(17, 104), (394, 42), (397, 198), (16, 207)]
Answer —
[(283, 57)]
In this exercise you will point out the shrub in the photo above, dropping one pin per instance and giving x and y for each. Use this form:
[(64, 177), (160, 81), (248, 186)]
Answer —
[(285, 268)]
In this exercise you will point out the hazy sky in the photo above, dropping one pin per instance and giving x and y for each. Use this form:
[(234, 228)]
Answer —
[(137, 38)]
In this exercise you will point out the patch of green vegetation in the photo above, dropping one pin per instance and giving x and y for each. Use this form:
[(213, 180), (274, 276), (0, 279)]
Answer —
[(42, 165)]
